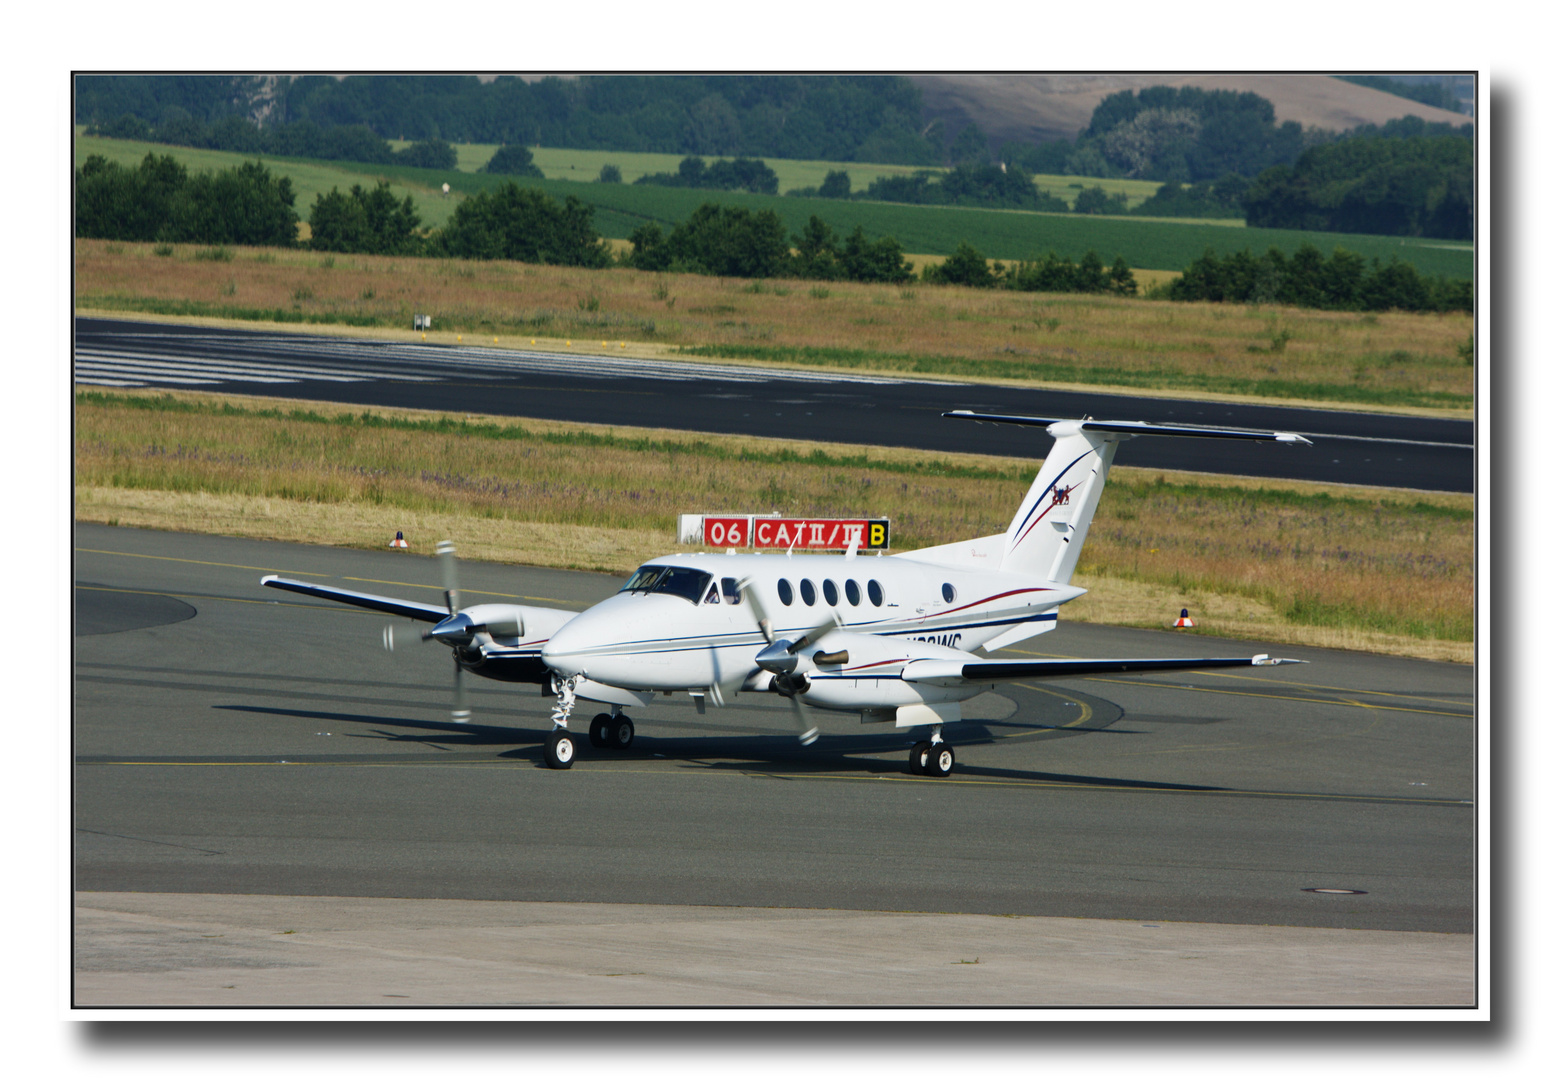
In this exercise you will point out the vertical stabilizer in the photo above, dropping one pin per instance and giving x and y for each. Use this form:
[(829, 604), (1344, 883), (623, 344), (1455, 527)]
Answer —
[(1046, 535)]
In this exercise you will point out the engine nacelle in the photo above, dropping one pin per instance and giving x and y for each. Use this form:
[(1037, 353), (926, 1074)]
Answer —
[(864, 671), (512, 624)]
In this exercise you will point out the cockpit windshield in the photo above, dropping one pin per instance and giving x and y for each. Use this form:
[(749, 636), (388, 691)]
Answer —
[(677, 580)]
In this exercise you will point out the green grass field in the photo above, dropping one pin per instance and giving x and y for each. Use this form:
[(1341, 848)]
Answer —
[(1008, 235)]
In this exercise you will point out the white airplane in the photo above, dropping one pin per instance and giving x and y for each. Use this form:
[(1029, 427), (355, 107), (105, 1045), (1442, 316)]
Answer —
[(899, 639)]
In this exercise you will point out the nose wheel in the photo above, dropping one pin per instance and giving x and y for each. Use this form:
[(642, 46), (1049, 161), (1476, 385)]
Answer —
[(559, 749)]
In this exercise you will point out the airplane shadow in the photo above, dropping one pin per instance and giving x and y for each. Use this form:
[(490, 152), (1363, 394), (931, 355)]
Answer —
[(439, 732), (771, 753)]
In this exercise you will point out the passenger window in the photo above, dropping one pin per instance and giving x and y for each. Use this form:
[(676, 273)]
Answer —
[(874, 590), (809, 595), (831, 593), (729, 590), (852, 593), (948, 593), (784, 589)]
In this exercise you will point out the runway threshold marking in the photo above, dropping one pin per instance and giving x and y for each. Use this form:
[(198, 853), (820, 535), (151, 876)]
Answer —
[(708, 770)]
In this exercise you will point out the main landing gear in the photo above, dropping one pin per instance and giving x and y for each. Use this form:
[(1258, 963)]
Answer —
[(613, 730), (932, 757)]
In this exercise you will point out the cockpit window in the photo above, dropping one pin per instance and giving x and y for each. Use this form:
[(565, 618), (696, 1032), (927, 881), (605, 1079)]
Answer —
[(729, 590), (677, 580)]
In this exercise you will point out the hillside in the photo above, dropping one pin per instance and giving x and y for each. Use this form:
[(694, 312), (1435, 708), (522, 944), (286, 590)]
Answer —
[(1039, 108)]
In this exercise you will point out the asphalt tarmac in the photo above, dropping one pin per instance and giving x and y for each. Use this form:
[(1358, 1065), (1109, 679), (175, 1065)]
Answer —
[(229, 740), (1349, 447)]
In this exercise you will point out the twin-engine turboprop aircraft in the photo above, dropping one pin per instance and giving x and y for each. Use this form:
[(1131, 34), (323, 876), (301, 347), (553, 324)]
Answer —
[(897, 640)]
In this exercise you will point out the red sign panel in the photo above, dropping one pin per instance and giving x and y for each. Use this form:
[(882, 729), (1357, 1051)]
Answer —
[(806, 534)]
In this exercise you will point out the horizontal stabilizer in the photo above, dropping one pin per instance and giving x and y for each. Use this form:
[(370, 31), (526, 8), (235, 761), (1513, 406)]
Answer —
[(958, 672), (1132, 427), (432, 613)]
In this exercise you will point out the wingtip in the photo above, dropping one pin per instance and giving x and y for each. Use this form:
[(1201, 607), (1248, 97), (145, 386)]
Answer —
[(268, 578)]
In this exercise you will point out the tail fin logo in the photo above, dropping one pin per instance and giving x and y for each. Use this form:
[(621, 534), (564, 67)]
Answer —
[(1062, 495)]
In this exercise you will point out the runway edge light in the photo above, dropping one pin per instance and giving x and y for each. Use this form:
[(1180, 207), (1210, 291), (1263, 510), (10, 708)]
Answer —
[(1183, 619), (399, 541)]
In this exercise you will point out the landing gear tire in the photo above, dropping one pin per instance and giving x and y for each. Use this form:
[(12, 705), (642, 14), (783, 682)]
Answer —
[(559, 749), (621, 736), (601, 727), (919, 753), (940, 759)]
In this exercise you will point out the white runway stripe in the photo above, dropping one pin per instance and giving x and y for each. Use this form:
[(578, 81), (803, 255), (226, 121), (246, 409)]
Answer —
[(312, 358)]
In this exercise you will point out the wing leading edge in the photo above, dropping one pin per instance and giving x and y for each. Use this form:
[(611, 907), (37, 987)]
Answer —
[(431, 613)]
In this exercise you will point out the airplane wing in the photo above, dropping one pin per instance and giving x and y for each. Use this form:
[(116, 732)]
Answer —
[(1132, 427), (958, 672), (431, 613)]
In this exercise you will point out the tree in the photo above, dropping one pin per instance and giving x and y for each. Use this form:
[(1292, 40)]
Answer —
[(373, 222), (609, 174), (817, 254), (965, 266), (730, 241), (115, 203), (970, 147), (513, 161), (836, 185), (244, 205), (429, 154), (526, 225), (880, 260)]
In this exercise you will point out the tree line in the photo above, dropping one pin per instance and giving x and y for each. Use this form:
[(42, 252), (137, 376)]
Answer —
[(1371, 184), (304, 139), (1343, 281), (161, 201), (835, 118)]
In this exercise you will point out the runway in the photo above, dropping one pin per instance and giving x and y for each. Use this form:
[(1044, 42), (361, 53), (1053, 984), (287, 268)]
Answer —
[(1348, 447), (229, 741)]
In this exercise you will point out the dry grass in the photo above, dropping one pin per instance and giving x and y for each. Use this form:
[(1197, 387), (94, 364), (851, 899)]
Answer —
[(1409, 359), (1284, 561)]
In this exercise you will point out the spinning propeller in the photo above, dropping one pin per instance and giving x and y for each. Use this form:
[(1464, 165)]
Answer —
[(780, 657), (460, 630)]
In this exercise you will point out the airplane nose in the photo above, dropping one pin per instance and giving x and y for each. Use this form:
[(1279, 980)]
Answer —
[(566, 650)]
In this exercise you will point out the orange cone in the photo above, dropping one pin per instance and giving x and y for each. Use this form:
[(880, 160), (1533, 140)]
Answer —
[(1183, 616), (399, 541)]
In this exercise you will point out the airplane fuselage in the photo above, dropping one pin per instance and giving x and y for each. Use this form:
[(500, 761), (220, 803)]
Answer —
[(696, 629)]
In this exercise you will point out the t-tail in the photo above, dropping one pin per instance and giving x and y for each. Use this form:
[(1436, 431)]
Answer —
[(1044, 538)]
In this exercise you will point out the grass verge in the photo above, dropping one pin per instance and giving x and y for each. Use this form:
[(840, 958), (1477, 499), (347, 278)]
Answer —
[(1289, 562), (1393, 360)]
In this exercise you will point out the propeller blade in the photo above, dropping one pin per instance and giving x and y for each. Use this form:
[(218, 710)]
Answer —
[(387, 637), (460, 711), (448, 556), (746, 590), (808, 730), (819, 632)]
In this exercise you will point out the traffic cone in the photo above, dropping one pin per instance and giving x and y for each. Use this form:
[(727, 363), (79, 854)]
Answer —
[(1183, 616), (399, 541)]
